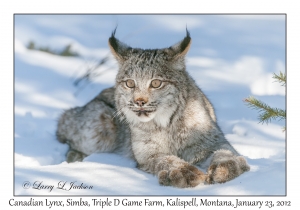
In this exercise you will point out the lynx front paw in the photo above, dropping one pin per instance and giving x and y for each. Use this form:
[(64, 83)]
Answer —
[(185, 176), (221, 171), (73, 156)]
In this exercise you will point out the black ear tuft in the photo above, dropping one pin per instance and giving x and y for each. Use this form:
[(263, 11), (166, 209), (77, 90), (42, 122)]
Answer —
[(180, 49), (118, 49), (114, 31), (113, 42), (186, 41)]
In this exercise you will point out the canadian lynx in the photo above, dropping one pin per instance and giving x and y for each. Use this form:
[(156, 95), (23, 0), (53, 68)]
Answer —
[(156, 115)]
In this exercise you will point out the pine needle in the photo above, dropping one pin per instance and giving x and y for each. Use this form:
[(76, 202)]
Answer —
[(267, 113), (281, 78)]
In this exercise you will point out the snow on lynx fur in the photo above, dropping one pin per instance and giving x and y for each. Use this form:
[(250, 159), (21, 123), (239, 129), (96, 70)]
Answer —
[(156, 115)]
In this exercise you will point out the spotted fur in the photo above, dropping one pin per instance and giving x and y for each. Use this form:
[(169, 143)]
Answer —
[(167, 129)]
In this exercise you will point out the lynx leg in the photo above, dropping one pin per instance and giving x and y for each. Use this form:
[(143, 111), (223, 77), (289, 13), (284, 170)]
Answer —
[(184, 176), (173, 171), (225, 166), (87, 130)]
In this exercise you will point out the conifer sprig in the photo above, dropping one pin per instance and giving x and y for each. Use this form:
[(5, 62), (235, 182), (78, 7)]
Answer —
[(268, 113), (281, 78)]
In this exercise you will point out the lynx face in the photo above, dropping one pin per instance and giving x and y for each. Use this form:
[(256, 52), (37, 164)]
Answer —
[(150, 84), (144, 93)]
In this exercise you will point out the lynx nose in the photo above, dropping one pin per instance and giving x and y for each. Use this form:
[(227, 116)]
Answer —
[(140, 102)]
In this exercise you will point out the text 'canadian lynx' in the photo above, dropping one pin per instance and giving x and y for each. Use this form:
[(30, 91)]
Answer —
[(156, 115)]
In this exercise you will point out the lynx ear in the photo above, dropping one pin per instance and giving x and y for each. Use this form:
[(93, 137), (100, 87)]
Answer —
[(118, 49), (179, 50)]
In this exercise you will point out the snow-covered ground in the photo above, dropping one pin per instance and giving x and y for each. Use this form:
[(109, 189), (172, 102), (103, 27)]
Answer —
[(231, 58)]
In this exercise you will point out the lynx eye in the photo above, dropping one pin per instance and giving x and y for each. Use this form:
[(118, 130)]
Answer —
[(130, 83), (156, 83)]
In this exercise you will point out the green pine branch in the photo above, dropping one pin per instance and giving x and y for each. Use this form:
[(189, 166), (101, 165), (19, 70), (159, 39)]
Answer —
[(281, 78), (67, 51), (267, 113)]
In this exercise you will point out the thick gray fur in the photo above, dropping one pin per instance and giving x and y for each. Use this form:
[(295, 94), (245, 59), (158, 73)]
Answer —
[(166, 129)]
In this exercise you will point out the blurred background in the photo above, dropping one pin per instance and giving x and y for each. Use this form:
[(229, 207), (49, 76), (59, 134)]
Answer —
[(62, 61)]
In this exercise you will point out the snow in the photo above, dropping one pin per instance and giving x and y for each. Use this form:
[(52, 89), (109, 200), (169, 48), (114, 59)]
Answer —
[(44, 88)]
